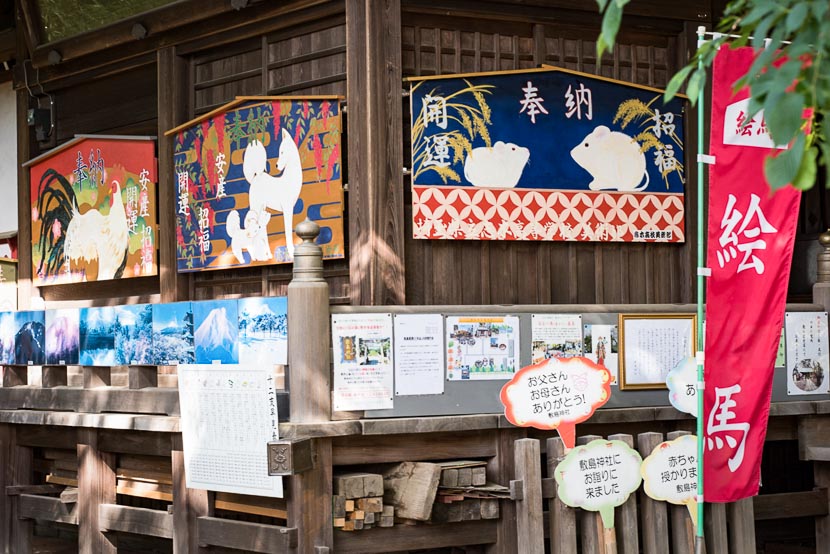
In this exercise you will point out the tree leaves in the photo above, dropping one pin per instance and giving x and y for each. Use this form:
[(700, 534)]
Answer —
[(788, 78)]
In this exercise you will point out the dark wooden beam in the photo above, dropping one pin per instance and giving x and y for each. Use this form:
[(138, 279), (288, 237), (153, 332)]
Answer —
[(211, 18), (375, 170), (790, 504), (29, 23), (172, 110)]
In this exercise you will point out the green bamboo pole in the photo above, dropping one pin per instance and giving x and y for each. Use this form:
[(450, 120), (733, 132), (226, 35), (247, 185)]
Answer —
[(700, 547)]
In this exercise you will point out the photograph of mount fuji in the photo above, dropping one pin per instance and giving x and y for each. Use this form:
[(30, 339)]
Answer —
[(216, 336), (173, 334), (263, 330)]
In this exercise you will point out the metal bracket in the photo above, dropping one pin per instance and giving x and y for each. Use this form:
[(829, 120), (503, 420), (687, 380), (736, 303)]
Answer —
[(290, 457)]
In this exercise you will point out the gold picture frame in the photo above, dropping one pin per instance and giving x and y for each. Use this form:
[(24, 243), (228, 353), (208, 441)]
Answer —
[(678, 329)]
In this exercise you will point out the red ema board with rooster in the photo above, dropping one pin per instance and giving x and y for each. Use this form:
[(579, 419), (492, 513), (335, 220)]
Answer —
[(94, 210)]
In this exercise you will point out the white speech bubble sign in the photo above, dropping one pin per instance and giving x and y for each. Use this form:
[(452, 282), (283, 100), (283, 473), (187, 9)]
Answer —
[(598, 477), (670, 473), (682, 383)]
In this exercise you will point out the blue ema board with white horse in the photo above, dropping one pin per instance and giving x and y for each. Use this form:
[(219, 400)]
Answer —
[(248, 173), (545, 154)]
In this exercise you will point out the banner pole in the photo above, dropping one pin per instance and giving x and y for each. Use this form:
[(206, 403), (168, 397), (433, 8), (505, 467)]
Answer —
[(700, 545)]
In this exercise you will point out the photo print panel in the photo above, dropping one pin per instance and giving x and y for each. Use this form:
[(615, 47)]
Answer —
[(97, 336), (249, 172), (94, 210), (63, 336), (29, 338), (133, 333), (173, 332), (216, 335), (7, 331), (263, 330)]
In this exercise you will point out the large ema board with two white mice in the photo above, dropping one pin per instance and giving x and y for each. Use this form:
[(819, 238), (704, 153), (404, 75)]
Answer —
[(545, 154)]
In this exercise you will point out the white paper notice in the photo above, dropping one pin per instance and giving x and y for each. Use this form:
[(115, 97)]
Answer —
[(654, 346), (482, 347), (419, 354), (807, 353), (228, 415), (556, 336), (362, 361)]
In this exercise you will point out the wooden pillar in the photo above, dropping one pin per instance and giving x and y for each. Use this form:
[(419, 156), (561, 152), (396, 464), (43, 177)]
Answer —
[(376, 214), (172, 72), (96, 486), (309, 502), (308, 331), (625, 521), (821, 289), (188, 505), (529, 516), (15, 469), (24, 206), (741, 524), (501, 469), (655, 520), (562, 517)]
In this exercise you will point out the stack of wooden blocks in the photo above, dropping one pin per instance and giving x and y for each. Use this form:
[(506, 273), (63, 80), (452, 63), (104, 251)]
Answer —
[(464, 495), (358, 502)]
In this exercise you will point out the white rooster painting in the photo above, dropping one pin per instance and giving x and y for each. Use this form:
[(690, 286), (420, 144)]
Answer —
[(249, 173), (92, 222)]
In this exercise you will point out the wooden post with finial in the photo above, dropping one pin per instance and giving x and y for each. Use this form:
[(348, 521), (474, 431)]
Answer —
[(308, 331), (309, 506), (821, 288)]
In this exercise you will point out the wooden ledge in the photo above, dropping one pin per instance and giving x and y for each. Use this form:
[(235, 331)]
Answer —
[(131, 422)]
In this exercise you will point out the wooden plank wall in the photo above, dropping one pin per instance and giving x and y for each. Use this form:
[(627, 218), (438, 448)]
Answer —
[(491, 272)]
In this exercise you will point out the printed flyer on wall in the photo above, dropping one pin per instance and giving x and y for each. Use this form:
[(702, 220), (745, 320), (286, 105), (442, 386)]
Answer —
[(482, 347), (807, 353), (556, 336), (362, 346), (419, 354)]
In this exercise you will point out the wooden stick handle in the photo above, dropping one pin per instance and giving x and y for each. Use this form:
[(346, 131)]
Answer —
[(610, 538)]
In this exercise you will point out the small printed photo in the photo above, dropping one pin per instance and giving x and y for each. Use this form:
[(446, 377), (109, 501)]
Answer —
[(63, 336), (29, 338), (133, 333), (808, 375), (263, 330), (348, 349), (173, 334), (97, 336), (374, 351), (217, 331)]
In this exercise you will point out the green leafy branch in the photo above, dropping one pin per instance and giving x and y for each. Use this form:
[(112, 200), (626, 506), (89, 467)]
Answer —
[(788, 79)]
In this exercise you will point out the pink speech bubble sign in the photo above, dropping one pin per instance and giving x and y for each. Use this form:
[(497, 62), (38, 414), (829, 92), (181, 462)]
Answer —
[(556, 394)]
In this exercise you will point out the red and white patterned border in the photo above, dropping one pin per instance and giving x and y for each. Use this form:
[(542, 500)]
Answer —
[(467, 213)]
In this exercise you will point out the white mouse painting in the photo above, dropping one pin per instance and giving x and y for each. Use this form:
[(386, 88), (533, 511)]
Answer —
[(614, 160), (498, 166)]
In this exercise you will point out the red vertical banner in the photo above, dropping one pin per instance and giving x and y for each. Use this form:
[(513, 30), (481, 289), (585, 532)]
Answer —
[(750, 243)]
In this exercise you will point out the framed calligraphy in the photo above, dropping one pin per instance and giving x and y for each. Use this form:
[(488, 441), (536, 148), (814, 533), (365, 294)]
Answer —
[(651, 345)]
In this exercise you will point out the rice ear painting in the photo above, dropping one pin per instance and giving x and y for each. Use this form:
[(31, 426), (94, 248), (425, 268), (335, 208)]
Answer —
[(216, 332), (94, 210), (263, 330), (545, 154), (29, 338), (249, 172), (173, 334), (63, 336)]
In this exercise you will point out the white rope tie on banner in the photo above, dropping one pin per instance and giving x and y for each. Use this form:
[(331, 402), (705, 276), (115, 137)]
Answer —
[(706, 159), (701, 385), (704, 271), (700, 357)]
